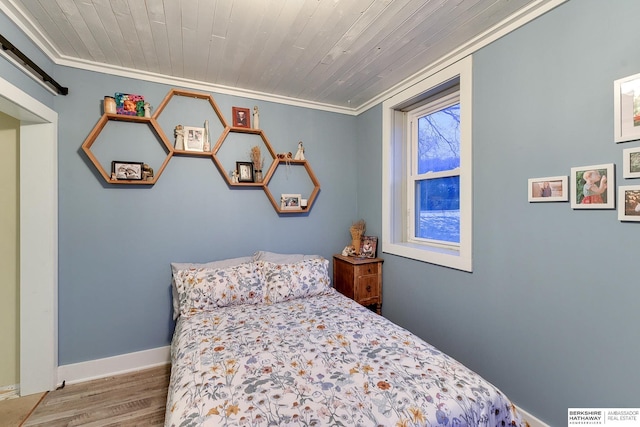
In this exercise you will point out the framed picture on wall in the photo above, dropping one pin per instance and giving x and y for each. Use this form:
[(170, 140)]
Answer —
[(626, 108), (629, 203), (631, 162), (593, 187), (549, 189), (241, 117)]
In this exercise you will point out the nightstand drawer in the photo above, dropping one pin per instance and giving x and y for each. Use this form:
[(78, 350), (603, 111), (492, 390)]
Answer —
[(366, 269), (366, 288)]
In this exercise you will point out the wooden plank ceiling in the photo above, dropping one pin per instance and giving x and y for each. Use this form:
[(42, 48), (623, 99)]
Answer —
[(341, 53)]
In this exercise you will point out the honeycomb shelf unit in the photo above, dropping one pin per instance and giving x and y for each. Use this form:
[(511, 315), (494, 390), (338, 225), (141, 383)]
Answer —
[(197, 95), (312, 176), (98, 128), (154, 126), (220, 165)]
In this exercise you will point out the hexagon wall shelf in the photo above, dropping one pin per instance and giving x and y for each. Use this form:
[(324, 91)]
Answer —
[(198, 95), (312, 177), (104, 120), (221, 167), (155, 128)]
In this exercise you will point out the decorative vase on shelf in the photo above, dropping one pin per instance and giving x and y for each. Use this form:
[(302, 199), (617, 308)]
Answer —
[(258, 175), (109, 105), (356, 246)]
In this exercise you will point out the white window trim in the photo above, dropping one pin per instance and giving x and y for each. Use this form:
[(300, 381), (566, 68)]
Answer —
[(411, 172), (394, 154)]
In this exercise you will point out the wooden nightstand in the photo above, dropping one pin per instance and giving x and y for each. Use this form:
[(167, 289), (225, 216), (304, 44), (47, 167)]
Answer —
[(359, 279)]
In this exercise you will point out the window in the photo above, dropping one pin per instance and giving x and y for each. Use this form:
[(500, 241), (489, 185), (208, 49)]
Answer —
[(427, 170)]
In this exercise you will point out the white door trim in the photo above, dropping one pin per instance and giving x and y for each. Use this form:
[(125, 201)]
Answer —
[(38, 238)]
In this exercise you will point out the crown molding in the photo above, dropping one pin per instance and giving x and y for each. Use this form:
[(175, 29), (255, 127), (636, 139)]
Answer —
[(515, 21)]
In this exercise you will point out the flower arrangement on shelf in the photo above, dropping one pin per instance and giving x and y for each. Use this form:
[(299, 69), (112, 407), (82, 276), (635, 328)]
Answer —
[(258, 162)]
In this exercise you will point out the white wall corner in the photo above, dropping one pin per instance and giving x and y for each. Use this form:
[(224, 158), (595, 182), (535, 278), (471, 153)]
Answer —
[(121, 364)]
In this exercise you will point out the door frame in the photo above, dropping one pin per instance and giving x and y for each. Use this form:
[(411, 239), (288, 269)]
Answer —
[(38, 237)]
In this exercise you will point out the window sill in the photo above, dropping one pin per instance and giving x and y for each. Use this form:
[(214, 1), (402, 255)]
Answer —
[(430, 254)]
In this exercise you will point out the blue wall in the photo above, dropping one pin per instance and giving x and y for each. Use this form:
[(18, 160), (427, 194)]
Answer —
[(550, 313), (18, 78), (116, 244)]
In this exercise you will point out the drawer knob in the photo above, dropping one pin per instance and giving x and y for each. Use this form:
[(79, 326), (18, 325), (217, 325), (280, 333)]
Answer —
[(368, 288)]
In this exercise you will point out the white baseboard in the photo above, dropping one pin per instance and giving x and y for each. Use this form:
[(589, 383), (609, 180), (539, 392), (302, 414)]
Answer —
[(9, 392), (533, 421), (121, 364)]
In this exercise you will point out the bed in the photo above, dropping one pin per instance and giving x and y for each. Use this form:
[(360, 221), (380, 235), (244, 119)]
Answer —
[(266, 341)]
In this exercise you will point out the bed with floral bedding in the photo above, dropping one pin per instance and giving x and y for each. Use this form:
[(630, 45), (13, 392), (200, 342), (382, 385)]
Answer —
[(270, 343)]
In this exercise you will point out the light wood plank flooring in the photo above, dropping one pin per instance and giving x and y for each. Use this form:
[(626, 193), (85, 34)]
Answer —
[(134, 399)]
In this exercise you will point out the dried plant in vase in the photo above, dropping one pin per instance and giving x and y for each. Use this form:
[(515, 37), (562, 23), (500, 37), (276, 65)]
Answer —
[(258, 162), (357, 230)]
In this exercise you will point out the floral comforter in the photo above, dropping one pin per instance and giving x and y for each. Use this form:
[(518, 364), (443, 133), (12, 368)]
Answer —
[(319, 361)]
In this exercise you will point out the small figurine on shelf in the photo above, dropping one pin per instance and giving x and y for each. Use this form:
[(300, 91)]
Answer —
[(179, 145), (256, 117), (147, 172), (348, 251), (234, 176), (147, 110), (207, 143), (300, 152)]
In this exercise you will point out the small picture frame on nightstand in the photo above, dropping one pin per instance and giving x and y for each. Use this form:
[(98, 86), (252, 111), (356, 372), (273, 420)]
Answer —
[(368, 246)]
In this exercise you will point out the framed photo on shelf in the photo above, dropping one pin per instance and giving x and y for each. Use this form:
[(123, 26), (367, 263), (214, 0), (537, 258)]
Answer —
[(290, 202), (241, 117), (593, 187), (626, 108), (129, 104), (629, 203), (193, 139), (245, 171), (549, 189), (368, 246), (126, 171), (631, 162)]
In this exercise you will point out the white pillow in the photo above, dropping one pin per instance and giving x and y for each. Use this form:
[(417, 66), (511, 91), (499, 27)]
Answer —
[(282, 258)]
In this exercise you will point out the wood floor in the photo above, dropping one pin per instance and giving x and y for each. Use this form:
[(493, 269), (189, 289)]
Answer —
[(135, 399)]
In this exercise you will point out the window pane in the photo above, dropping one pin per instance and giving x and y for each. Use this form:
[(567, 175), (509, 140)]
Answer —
[(439, 140), (438, 209)]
